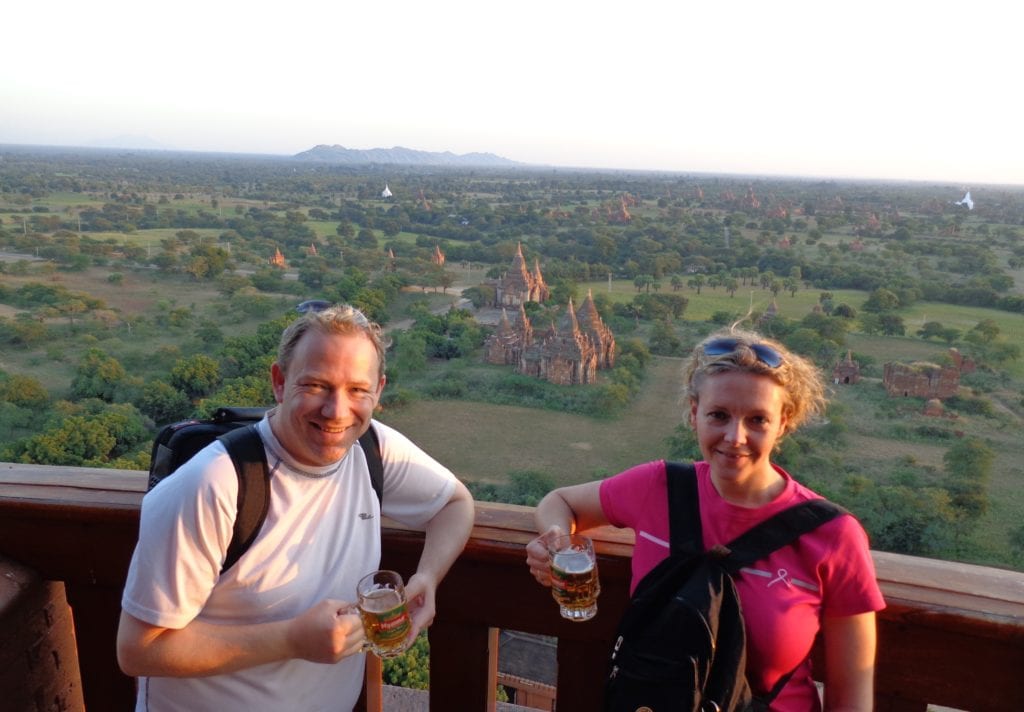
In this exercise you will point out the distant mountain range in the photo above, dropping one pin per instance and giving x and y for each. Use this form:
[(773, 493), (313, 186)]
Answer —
[(400, 156)]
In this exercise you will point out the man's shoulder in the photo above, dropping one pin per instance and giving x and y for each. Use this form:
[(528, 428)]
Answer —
[(209, 469)]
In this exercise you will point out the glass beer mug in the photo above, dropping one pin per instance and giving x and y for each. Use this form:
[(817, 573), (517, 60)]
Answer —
[(574, 582), (384, 613)]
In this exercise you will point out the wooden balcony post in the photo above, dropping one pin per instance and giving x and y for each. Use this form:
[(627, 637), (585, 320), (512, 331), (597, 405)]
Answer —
[(371, 698), (463, 667), (38, 654)]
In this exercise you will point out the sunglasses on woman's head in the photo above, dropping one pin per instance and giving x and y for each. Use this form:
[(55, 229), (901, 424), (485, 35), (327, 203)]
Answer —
[(764, 353)]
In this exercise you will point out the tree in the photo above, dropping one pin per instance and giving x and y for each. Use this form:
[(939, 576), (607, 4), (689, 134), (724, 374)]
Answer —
[(881, 300), (968, 465), (902, 519), (930, 329), (91, 439), (196, 375), (528, 487), (345, 229), (1016, 539), (23, 391), (844, 311), (985, 331), (206, 261), (664, 341), (446, 280), (480, 296), (892, 325), (410, 353), (313, 272), (696, 282), (251, 390), (163, 402), (98, 376), (826, 300), (72, 307), (78, 442), (411, 669), (366, 238)]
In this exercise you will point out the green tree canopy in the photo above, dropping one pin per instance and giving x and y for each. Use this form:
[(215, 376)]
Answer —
[(98, 376), (196, 375)]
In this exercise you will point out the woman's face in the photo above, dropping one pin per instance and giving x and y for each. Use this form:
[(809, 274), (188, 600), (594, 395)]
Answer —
[(738, 419)]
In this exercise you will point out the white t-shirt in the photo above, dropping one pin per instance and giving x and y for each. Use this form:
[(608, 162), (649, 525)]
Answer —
[(321, 535)]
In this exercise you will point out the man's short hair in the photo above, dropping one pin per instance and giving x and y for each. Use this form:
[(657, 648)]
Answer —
[(332, 319)]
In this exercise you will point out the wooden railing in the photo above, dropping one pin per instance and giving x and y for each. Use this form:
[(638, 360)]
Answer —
[(952, 634)]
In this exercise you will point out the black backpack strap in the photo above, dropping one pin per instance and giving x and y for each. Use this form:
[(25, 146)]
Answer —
[(683, 508), (371, 448), (778, 531), (245, 447)]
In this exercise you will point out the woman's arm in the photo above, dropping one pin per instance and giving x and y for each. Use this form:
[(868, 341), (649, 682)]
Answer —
[(849, 662), (562, 511)]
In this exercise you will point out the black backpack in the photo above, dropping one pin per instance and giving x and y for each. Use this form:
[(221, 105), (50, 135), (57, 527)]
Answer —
[(176, 443), (681, 644)]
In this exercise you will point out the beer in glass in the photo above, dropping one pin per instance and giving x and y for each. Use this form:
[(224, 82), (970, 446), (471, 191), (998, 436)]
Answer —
[(383, 610), (574, 582)]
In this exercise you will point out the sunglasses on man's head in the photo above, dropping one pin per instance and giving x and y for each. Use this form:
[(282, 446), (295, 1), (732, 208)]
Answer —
[(764, 353), (312, 305)]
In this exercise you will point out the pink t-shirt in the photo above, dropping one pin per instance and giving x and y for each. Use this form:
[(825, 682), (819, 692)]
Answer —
[(827, 572)]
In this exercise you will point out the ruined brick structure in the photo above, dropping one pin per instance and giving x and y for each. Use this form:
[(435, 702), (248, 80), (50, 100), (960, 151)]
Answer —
[(505, 346), (278, 259), (567, 353), (519, 285), (927, 380), (920, 380), (770, 313), (591, 324), (846, 371), (964, 364)]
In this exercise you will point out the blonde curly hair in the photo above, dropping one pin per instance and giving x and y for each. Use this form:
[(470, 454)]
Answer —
[(799, 378)]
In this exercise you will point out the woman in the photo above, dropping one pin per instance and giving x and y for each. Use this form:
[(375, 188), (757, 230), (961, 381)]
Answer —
[(745, 393)]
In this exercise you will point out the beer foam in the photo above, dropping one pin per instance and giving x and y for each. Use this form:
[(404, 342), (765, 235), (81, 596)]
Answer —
[(381, 600), (573, 562)]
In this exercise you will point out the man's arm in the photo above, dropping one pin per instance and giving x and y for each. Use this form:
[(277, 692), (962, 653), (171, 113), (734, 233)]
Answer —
[(325, 633), (446, 536)]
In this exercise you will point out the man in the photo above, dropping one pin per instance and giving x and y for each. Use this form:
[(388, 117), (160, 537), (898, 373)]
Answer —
[(277, 631)]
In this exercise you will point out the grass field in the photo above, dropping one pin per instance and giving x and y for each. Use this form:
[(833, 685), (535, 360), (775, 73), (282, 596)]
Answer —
[(482, 442)]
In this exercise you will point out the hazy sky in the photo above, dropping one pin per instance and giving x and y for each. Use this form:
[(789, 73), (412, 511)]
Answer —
[(893, 89)]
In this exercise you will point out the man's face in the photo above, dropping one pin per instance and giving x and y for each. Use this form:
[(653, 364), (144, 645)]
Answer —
[(327, 397)]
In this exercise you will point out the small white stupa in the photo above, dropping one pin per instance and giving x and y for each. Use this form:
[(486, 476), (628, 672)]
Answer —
[(386, 193)]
